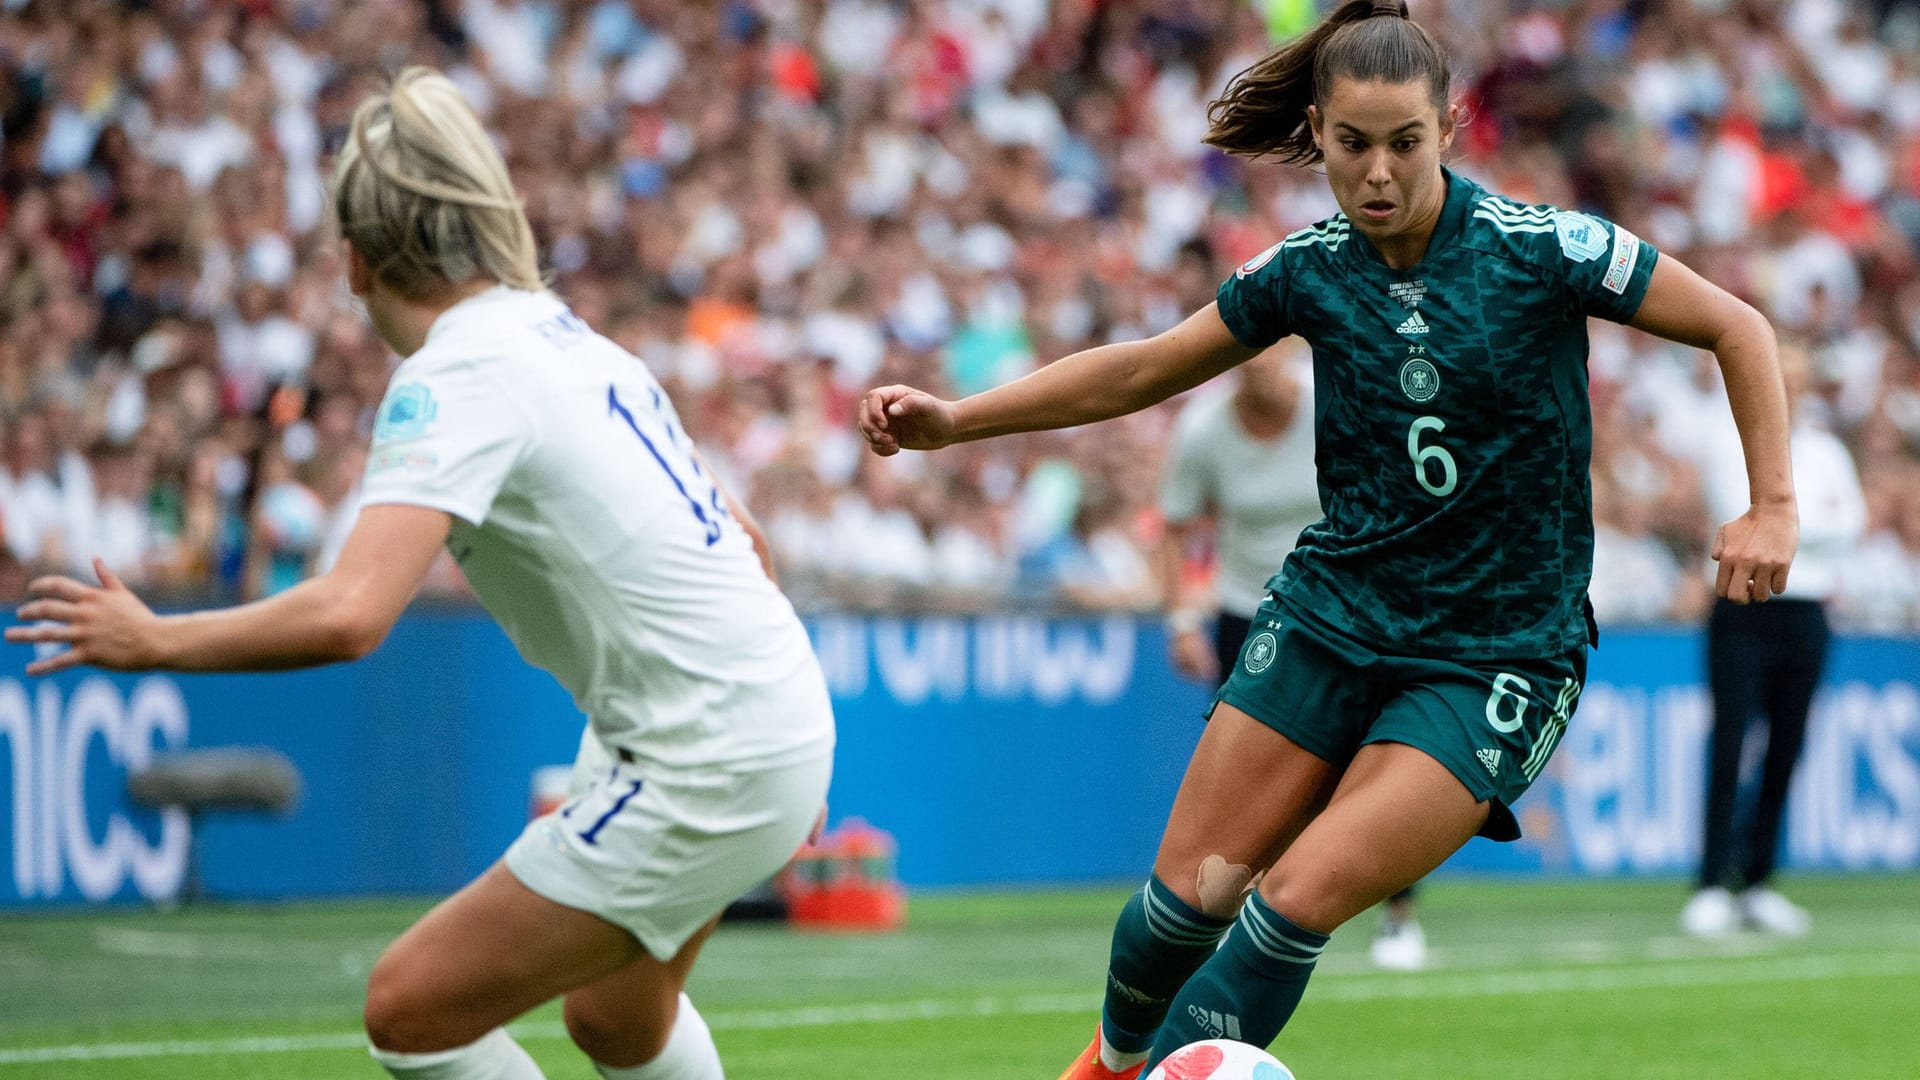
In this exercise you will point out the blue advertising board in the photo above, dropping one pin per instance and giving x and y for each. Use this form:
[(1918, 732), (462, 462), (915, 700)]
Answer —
[(997, 749)]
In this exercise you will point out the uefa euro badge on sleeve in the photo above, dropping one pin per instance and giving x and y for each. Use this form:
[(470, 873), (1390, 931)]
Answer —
[(1582, 239), (408, 412)]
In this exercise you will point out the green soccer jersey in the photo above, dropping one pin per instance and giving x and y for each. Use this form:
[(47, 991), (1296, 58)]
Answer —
[(1451, 421)]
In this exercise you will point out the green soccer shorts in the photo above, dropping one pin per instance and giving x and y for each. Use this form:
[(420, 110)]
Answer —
[(1492, 724)]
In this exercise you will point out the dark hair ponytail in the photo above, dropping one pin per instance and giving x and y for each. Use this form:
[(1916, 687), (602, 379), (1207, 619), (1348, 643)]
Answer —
[(1264, 110)]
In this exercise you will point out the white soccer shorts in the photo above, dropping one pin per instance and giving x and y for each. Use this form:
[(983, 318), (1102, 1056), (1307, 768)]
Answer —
[(661, 852)]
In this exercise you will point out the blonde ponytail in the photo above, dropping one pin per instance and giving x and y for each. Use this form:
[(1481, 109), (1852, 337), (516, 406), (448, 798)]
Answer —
[(424, 197)]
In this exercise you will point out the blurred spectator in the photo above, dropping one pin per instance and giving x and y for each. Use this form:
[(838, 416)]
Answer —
[(123, 526), (42, 497), (338, 489), (260, 347), (1879, 587), (780, 204), (1098, 565), (289, 526), (969, 567), (1637, 578)]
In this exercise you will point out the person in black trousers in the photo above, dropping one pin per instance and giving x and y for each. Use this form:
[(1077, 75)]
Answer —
[(1764, 663)]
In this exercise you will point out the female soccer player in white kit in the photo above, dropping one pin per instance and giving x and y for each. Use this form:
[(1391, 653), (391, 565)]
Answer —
[(550, 463)]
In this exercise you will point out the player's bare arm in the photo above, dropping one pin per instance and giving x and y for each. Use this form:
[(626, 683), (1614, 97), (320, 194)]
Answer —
[(1755, 549), (1086, 387), (341, 615), (751, 527)]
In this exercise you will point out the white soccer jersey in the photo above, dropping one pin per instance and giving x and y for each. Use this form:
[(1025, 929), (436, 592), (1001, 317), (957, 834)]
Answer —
[(587, 526)]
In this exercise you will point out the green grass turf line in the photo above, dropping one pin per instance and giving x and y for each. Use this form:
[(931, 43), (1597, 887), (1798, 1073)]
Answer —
[(225, 972), (1853, 1029)]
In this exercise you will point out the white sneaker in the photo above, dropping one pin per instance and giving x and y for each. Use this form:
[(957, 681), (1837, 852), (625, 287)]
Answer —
[(1775, 914), (1711, 913), (1400, 946)]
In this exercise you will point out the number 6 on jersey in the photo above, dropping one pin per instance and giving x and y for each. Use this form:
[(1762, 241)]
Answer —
[(1449, 473)]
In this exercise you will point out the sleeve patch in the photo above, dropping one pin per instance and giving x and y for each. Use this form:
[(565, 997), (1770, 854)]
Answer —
[(1626, 253), (409, 411), (1582, 239), (390, 458), (1254, 264)]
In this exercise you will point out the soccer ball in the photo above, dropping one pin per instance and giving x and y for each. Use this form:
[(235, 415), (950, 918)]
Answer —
[(1220, 1059)]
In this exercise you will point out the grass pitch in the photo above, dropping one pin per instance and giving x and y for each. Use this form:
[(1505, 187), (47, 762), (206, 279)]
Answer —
[(1570, 981)]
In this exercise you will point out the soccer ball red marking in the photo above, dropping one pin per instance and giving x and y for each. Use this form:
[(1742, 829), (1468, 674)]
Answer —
[(1220, 1059), (1196, 1062)]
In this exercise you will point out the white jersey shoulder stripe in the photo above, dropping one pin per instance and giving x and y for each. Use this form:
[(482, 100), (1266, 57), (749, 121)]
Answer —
[(1514, 209), (1507, 225), (1330, 235), (1510, 224), (1335, 225)]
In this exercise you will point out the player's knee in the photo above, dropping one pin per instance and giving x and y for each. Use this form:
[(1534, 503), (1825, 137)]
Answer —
[(409, 1013), (401, 1016), (632, 1036), (1222, 886), (1313, 901)]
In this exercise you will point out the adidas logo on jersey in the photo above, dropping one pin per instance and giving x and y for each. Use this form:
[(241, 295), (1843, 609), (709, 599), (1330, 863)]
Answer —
[(1491, 759), (1414, 325)]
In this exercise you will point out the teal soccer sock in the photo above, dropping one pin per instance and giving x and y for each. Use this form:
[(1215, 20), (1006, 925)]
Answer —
[(1157, 944), (1249, 988)]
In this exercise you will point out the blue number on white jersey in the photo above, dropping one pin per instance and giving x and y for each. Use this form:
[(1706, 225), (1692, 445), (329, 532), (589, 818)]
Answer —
[(713, 510)]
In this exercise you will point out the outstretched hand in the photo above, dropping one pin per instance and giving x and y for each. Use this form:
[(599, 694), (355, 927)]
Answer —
[(1754, 551), (107, 627), (896, 418)]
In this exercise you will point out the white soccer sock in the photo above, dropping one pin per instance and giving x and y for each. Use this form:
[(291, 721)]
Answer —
[(1119, 1060), (494, 1057), (688, 1055)]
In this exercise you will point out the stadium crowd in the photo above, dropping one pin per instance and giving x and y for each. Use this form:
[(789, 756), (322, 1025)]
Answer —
[(779, 203)]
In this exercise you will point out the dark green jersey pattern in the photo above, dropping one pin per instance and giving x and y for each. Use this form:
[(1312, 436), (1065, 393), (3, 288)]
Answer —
[(1450, 413)]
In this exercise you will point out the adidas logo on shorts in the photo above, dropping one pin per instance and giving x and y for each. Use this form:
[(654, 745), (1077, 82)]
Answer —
[(1491, 759)]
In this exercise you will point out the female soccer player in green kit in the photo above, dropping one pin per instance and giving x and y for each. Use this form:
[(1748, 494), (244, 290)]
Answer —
[(1422, 649)]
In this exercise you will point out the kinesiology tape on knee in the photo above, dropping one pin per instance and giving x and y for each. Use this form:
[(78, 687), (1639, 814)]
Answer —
[(1223, 886)]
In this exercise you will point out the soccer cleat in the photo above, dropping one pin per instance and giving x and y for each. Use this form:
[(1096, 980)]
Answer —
[(1088, 1066), (1400, 946), (1768, 911), (1710, 914)]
